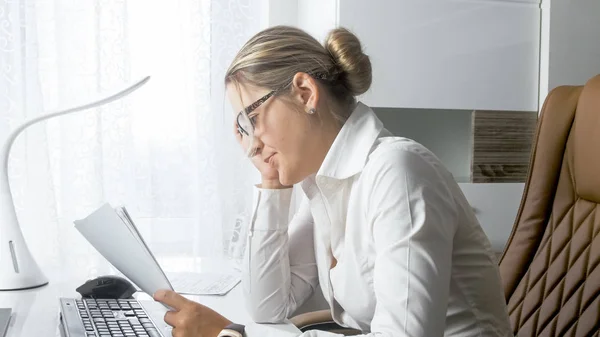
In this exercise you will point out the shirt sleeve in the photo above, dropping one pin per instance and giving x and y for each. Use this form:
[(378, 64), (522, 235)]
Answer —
[(413, 217), (279, 271)]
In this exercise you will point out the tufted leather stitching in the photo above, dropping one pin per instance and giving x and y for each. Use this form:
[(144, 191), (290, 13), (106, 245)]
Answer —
[(549, 253), (576, 292)]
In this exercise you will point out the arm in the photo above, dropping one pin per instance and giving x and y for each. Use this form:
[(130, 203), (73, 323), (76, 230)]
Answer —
[(413, 219), (280, 271)]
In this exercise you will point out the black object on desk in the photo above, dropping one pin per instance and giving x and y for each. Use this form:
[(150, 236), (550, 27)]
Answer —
[(110, 286)]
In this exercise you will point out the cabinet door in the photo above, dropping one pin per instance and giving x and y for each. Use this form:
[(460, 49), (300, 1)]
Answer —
[(496, 206), (442, 54)]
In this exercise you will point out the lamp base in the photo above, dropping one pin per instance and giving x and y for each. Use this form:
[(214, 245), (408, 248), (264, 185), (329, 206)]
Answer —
[(18, 269), (26, 288)]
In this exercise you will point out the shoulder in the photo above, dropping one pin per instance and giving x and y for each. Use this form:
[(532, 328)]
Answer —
[(400, 171), (395, 157)]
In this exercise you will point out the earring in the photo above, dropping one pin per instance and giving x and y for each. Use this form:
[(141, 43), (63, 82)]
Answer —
[(311, 111)]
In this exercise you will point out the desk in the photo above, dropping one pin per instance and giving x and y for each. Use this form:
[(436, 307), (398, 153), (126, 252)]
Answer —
[(35, 311)]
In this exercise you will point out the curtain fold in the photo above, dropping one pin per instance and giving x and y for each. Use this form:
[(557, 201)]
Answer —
[(166, 152)]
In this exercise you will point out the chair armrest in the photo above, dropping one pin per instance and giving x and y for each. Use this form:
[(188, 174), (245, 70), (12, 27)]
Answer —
[(321, 320), (311, 318)]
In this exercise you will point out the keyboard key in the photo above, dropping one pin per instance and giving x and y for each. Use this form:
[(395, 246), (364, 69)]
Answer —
[(153, 333)]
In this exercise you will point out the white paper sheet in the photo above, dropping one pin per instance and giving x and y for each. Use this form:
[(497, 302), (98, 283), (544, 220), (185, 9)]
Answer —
[(203, 283), (115, 236)]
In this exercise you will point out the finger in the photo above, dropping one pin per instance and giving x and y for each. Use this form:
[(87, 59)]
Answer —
[(171, 298), (171, 318), (177, 332)]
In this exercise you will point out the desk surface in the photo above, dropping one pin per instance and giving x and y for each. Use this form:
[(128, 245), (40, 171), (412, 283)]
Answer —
[(35, 311)]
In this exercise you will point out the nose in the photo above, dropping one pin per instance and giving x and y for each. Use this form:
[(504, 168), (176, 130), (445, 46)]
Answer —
[(257, 144)]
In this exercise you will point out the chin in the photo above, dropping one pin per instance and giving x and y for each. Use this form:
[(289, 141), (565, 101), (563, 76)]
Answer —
[(284, 178), (288, 180)]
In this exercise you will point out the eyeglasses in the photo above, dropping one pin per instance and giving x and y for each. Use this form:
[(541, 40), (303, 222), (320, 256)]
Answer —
[(245, 122)]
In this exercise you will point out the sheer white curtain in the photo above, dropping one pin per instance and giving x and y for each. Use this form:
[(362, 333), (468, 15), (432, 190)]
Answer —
[(166, 151)]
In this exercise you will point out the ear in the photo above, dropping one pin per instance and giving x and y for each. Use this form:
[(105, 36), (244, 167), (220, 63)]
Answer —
[(306, 90)]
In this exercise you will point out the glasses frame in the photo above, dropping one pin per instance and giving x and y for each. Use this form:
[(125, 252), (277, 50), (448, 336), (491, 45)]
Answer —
[(248, 110)]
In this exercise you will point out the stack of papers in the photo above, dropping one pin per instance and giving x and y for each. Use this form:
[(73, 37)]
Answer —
[(112, 232), (114, 235)]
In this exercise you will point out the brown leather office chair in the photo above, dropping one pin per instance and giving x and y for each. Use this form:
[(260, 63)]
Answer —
[(550, 265)]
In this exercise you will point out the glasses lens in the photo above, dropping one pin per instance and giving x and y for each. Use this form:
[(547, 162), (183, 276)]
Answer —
[(245, 125), (247, 131)]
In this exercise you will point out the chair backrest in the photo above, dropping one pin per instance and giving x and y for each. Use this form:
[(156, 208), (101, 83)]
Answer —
[(550, 265)]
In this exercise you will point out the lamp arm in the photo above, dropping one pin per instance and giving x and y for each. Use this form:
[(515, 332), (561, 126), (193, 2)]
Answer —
[(4, 154)]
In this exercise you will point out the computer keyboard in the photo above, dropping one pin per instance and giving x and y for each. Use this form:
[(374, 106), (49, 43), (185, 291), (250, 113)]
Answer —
[(115, 318)]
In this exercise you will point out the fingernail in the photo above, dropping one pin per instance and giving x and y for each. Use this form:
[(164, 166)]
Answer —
[(159, 294)]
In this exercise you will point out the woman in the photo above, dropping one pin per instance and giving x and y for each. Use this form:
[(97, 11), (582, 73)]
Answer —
[(384, 229)]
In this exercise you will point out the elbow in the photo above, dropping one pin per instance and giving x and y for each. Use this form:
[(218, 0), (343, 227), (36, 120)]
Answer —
[(266, 318), (262, 312)]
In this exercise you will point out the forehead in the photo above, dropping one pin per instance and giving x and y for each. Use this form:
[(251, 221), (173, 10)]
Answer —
[(241, 95)]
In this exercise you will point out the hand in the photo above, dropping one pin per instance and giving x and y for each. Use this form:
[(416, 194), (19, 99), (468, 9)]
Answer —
[(270, 176), (190, 319)]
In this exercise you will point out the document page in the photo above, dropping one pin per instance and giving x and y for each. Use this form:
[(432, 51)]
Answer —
[(114, 235), (203, 283)]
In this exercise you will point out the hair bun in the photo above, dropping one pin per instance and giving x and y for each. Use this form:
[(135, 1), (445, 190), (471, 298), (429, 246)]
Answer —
[(346, 51)]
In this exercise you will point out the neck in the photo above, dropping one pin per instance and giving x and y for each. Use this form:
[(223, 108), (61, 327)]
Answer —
[(328, 132)]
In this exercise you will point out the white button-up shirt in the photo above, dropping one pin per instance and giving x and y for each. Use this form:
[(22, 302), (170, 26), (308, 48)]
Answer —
[(412, 259)]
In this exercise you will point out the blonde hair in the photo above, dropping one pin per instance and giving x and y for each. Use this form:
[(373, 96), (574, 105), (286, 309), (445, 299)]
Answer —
[(271, 58)]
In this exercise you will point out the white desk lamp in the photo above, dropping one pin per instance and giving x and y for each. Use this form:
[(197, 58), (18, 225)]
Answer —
[(18, 269)]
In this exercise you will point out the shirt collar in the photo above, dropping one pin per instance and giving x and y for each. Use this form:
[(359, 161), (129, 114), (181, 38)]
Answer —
[(350, 149)]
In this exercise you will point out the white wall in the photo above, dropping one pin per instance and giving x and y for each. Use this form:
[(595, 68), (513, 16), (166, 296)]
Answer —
[(317, 17), (570, 43)]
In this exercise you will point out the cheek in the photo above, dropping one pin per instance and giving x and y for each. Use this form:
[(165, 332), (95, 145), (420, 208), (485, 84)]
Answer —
[(285, 130)]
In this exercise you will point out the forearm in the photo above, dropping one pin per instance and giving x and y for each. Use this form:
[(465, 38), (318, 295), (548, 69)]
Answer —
[(273, 284)]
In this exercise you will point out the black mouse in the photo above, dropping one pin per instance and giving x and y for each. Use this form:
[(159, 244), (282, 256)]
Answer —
[(107, 287)]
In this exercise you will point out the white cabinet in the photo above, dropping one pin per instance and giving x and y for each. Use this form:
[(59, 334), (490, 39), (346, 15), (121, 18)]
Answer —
[(441, 54), (496, 206)]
